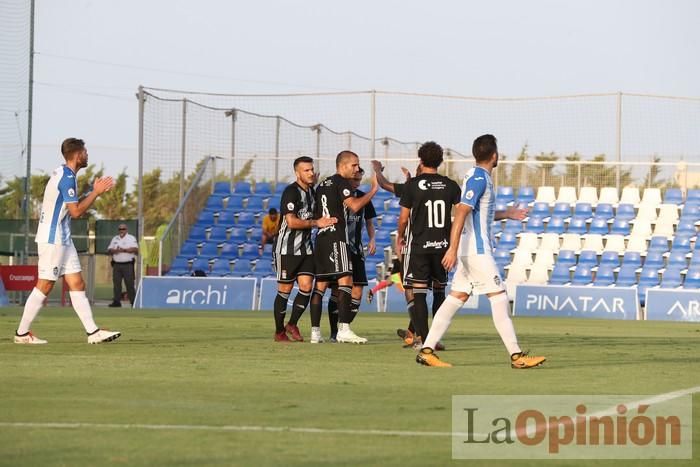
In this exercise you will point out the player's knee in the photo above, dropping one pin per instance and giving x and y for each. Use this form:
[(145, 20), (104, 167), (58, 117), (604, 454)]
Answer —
[(461, 296)]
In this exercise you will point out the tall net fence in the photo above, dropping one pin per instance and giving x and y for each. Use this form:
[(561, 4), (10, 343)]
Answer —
[(14, 87), (587, 140)]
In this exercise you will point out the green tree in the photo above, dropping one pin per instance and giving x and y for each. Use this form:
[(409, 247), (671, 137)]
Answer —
[(117, 203)]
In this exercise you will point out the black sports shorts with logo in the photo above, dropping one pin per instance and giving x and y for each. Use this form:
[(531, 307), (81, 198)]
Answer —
[(424, 269), (331, 259), (289, 267)]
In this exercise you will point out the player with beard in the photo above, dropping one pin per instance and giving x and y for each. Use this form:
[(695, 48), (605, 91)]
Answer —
[(332, 253), (293, 252)]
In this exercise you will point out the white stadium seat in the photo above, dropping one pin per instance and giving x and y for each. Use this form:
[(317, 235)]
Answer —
[(588, 194), (545, 194), (609, 195), (630, 195), (571, 241), (638, 244), (516, 275), (593, 242), (528, 241), (615, 243), (538, 276), (567, 194), (651, 197), (641, 228), (550, 242), (522, 257), (668, 212), (646, 212), (544, 259), (663, 228)]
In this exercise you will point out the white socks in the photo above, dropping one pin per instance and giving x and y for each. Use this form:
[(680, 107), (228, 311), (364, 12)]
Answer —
[(35, 302), (503, 323), (442, 320), (81, 305)]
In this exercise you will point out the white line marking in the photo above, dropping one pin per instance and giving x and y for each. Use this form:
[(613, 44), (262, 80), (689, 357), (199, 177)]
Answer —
[(276, 429)]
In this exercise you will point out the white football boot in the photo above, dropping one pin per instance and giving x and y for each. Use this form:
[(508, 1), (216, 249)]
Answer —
[(316, 337), (103, 335), (29, 338), (346, 335)]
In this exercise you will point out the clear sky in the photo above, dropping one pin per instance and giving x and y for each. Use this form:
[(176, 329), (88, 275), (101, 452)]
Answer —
[(92, 54)]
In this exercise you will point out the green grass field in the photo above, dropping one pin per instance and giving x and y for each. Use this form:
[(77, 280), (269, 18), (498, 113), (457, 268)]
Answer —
[(181, 375)]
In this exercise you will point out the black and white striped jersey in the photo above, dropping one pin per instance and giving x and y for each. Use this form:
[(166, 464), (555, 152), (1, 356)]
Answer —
[(355, 222), (330, 195), (300, 202)]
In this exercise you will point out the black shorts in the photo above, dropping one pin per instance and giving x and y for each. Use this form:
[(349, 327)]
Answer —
[(424, 269), (289, 267), (332, 259), (359, 273)]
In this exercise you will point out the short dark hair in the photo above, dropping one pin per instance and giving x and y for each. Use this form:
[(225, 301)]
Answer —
[(342, 155), (272, 211), (484, 148), (71, 145), (430, 154), (302, 159)]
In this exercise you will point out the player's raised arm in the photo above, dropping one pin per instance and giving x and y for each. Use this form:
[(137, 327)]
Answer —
[(355, 204), (100, 185), (384, 183)]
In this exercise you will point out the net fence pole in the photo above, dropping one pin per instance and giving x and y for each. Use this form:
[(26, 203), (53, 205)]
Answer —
[(277, 148), (373, 122), (183, 159), (142, 100), (618, 138), (317, 129), (232, 114), (30, 98)]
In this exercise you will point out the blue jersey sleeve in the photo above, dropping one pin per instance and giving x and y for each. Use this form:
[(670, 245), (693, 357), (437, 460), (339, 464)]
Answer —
[(68, 189), (473, 190)]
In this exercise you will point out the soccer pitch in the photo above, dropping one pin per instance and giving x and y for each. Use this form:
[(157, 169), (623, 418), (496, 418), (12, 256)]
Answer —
[(212, 388)]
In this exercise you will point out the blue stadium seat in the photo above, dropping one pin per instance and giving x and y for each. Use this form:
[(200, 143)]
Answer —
[(392, 206), (223, 188), (180, 266), (496, 227), (562, 210), (671, 278), (604, 276), (649, 277), (599, 225), (242, 267), (625, 211), (654, 259), (583, 210), (382, 237), (632, 259), (215, 201), (692, 279), (263, 268), (526, 194), (540, 209), (673, 196), (245, 219), (556, 225), (627, 276), (534, 224), (235, 203), (588, 257), (658, 243), (514, 226), (280, 186), (610, 258), (560, 274), (507, 241), (230, 250), (238, 234), (604, 210), (677, 258), (371, 269), (389, 221), (582, 275), (681, 243), (250, 251), (274, 202), (567, 257), (500, 206), (206, 217), (686, 227), (242, 188), (502, 257), (189, 249), (221, 267), (691, 212), (201, 264), (263, 188), (210, 250), (577, 225), (226, 217), (218, 233), (255, 204), (256, 234), (620, 227), (267, 249), (198, 233), (693, 197), (504, 194)]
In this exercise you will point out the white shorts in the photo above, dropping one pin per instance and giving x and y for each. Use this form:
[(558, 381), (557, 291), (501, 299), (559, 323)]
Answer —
[(57, 260), (477, 275)]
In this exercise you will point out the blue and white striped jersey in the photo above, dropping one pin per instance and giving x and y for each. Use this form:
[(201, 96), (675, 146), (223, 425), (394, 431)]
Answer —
[(54, 221), (477, 192)]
